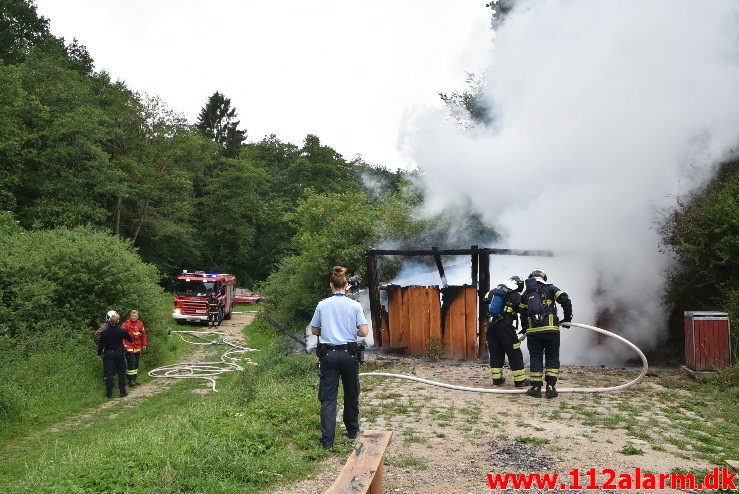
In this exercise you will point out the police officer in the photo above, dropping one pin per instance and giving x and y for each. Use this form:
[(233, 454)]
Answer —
[(543, 330), (110, 348), (337, 322), (505, 305)]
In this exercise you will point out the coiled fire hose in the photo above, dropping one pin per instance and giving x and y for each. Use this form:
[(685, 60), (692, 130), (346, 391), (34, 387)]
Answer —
[(206, 370), (645, 367)]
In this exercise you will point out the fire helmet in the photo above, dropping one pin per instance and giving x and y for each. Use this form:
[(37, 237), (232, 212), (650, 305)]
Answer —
[(519, 283), (507, 284), (539, 275)]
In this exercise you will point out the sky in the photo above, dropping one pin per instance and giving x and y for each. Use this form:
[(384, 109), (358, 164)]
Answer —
[(348, 71)]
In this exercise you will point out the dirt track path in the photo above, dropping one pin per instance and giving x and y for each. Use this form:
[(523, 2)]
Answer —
[(137, 394), (446, 441)]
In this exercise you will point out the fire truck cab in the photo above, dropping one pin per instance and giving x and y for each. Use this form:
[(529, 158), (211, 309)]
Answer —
[(203, 297)]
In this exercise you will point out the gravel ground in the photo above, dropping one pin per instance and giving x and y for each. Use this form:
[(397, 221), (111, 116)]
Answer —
[(447, 441)]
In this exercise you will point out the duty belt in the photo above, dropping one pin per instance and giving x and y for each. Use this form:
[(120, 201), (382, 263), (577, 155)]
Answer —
[(336, 347)]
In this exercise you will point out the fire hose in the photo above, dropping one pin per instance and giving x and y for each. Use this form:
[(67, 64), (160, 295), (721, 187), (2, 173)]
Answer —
[(206, 370), (645, 367)]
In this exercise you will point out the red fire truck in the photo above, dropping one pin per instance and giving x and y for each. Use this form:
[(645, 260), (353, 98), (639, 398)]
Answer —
[(203, 297)]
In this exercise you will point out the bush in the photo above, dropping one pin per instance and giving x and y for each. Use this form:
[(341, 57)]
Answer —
[(56, 287), (703, 236), (69, 278)]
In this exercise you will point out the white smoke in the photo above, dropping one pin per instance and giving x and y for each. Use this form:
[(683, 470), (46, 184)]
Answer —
[(603, 112)]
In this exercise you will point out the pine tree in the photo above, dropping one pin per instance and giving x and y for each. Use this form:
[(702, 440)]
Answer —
[(217, 120)]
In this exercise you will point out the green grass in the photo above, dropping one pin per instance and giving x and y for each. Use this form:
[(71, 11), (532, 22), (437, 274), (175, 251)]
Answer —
[(56, 376), (702, 417), (407, 461), (535, 440), (262, 427), (630, 450)]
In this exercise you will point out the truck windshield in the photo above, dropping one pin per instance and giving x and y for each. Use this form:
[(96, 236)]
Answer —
[(194, 288)]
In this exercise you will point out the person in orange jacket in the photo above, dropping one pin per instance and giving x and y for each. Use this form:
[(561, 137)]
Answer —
[(133, 348)]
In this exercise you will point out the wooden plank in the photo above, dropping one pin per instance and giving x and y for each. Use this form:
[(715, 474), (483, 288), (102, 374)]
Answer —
[(434, 302), (405, 319), (363, 465), (395, 313), (733, 464), (415, 320), (470, 320), (446, 335), (457, 326), (377, 486), (425, 319)]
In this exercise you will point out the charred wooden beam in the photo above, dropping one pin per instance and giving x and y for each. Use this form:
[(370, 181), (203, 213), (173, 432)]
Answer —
[(440, 267), (460, 252), (483, 288), (373, 285)]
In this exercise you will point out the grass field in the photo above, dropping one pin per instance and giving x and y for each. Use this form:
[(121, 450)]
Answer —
[(260, 428), (52, 377)]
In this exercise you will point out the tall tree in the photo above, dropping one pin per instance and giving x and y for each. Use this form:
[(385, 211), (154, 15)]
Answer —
[(217, 120), (20, 29)]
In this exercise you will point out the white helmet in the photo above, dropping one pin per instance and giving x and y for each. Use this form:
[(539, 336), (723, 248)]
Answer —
[(506, 283), (109, 315)]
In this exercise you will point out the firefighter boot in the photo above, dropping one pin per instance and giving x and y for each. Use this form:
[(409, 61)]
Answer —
[(551, 391), (522, 384), (499, 381), (534, 391)]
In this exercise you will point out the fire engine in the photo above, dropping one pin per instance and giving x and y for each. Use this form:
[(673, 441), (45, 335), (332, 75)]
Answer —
[(203, 297)]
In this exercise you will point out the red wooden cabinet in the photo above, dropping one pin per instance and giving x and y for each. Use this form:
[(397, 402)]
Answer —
[(707, 341)]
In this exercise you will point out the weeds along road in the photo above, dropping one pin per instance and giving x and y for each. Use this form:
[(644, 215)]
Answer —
[(137, 394), (446, 441)]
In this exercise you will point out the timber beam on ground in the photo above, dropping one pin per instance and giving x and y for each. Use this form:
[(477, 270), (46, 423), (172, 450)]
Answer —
[(363, 471)]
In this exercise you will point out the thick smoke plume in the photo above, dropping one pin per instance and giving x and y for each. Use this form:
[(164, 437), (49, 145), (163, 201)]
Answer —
[(602, 112)]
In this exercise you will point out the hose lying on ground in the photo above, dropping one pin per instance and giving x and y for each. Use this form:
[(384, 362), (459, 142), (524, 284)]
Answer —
[(206, 370), (645, 367)]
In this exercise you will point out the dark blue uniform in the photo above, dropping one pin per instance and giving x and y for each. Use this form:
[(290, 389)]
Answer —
[(503, 340), (543, 338), (111, 349)]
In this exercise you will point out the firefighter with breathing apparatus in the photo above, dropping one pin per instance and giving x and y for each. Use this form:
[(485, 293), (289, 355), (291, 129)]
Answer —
[(538, 307), (505, 305)]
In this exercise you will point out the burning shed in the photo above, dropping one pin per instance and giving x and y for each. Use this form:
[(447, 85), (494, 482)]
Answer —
[(420, 318)]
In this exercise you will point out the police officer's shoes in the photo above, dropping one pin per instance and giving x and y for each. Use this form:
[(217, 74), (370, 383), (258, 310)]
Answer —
[(499, 381), (551, 391), (123, 395), (522, 384), (534, 391)]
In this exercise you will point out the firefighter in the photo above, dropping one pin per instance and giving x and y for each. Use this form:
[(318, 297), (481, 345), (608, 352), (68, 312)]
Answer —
[(110, 348), (538, 306), (505, 304), (337, 322), (214, 309), (136, 329)]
